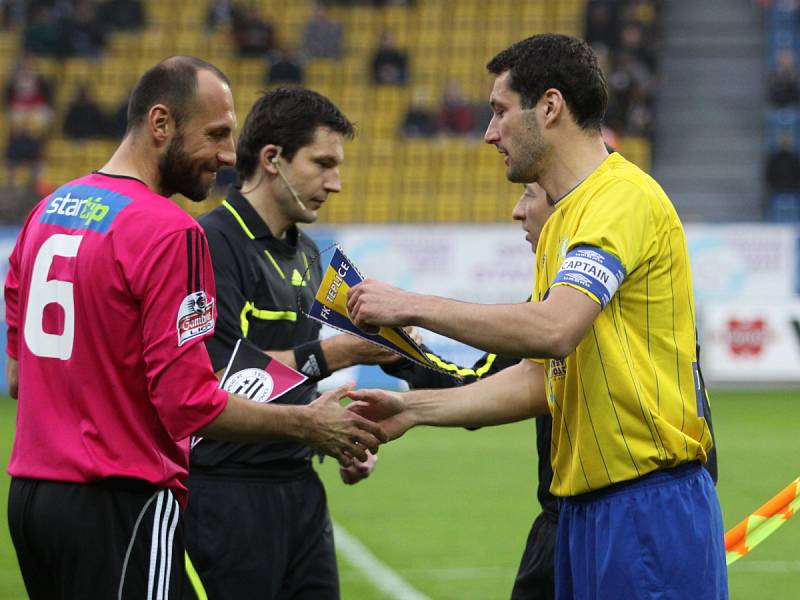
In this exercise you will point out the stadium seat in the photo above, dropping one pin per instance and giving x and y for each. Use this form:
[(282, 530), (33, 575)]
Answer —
[(385, 177)]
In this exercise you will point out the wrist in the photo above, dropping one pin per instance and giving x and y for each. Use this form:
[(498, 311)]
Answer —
[(412, 308), (303, 423), (414, 407), (310, 360)]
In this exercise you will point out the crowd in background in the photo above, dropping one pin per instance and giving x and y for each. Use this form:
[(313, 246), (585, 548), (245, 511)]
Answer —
[(782, 139), (57, 29), (624, 33)]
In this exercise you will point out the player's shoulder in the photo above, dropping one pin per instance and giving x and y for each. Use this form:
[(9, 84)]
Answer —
[(117, 202)]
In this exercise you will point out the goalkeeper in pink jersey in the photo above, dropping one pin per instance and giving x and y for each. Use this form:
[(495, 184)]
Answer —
[(109, 294)]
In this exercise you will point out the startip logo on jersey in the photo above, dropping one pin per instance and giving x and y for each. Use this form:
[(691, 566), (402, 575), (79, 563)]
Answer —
[(83, 207), (330, 307), (195, 316)]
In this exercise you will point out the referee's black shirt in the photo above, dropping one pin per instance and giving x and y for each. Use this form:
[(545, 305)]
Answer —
[(260, 280)]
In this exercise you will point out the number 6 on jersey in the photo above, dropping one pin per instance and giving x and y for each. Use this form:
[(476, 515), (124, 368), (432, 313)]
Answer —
[(44, 291)]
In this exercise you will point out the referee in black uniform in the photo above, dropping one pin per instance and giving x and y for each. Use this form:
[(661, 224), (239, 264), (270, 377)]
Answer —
[(257, 524)]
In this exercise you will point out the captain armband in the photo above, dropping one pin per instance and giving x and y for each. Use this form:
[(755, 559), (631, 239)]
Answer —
[(597, 272), (311, 361)]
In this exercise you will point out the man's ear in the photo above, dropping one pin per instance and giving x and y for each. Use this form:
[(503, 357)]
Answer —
[(269, 157), (553, 105), (160, 123)]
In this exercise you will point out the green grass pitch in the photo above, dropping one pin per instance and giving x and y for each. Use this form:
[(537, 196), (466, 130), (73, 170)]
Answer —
[(449, 510)]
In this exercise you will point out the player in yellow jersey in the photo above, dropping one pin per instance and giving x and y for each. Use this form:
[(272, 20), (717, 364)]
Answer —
[(611, 323)]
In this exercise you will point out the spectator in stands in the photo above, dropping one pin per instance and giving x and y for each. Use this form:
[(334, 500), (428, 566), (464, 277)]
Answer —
[(632, 41), (644, 14), (28, 96), (783, 167), (42, 35), (455, 115), (389, 63), (322, 36), (253, 35), (84, 118), (122, 15), (784, 85), (602, 24), (631, 82), (12, 13), (117, 121), (419, 122), (220, 14), (84, 32), (639, 115), (284, 68), (23, 151)]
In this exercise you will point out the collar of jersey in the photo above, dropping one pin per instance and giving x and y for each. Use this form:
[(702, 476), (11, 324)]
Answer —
[(251, 222), (601, 169)]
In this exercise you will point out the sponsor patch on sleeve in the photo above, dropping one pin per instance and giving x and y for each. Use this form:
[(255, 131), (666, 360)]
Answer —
[(591, 269), (195, 316)]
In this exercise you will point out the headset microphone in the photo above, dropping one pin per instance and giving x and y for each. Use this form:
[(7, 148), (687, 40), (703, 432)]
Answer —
[(274, 161)]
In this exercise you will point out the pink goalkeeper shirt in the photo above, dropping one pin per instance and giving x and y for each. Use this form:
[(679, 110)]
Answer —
[(109, 294)]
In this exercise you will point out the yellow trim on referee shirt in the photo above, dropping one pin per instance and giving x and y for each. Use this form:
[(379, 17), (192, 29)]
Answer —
[(275, 264), (265, 315), (463, 372), (239, 219)]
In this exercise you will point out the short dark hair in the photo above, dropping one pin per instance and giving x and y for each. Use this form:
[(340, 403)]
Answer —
[(172, 82), (286, 117), (551, 60)]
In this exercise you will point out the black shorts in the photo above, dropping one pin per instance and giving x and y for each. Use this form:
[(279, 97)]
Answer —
[(536, 570), (265, 539), (119, 538)]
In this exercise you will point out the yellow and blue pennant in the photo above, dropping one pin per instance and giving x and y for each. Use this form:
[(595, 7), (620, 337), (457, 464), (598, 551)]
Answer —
[(330, 307)]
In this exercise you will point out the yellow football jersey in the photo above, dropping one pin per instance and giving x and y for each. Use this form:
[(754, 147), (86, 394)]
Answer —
[(627, 401)]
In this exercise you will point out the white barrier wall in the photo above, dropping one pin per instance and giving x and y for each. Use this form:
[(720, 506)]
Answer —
[(751, 342), (737, 269), (745, 279), (746, 262)]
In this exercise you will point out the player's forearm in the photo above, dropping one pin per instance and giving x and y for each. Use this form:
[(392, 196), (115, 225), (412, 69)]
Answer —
[(284, 356), (520, 330), (338, 354), (334, 350), (514, 394), (325, 357), (245, 421)]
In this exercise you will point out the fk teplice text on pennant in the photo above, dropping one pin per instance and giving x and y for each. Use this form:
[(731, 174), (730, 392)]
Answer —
[(330, 307)]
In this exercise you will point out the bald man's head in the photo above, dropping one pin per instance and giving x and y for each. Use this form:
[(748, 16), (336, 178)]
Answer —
[(173, 83)]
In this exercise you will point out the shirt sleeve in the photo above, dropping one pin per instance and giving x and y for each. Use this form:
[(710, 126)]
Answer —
[(419, 377), (231, 300), (618, 203), (601, 253), (174, 283), (12, 305)]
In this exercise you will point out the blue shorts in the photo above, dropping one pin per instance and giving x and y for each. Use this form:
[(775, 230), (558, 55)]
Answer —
[(659, 536)]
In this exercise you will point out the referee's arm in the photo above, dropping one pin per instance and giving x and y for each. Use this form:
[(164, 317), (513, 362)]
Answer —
[(451, 375)]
